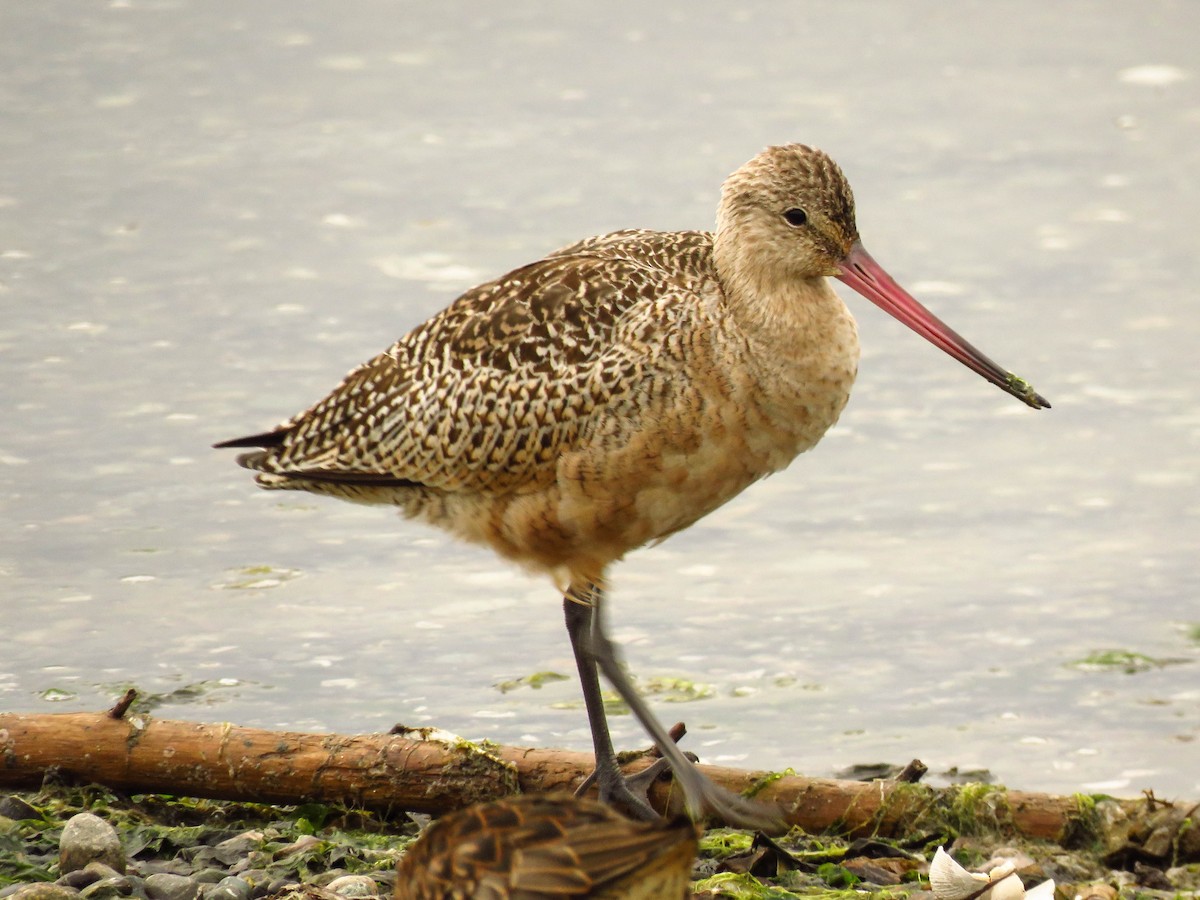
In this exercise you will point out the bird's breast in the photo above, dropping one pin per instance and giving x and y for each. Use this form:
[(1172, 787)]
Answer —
[(796, 372), (731, 408)]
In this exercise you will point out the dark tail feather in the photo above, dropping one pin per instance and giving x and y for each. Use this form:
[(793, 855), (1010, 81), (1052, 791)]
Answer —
[(263, 462), (367, 479), (266, 439)]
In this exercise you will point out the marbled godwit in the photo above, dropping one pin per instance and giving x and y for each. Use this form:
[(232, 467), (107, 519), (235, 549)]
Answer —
[(612, 394), (547, 846)]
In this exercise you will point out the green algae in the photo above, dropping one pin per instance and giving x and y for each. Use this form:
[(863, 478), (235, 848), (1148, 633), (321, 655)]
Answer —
[(204, 693), (307, 841), (156, 826), (1126, 661), (765, 781), (719, 843), (536, 681)]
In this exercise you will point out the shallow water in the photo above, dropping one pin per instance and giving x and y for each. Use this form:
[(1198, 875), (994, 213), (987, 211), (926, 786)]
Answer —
[(208, 212)]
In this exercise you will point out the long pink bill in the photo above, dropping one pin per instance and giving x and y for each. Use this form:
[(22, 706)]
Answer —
[(861, 272)]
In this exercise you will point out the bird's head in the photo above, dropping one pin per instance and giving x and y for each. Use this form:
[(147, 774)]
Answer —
[(787, 216), (790, 211)]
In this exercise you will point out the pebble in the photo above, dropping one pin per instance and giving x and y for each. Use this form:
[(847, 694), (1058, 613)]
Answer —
[(92, 872), (229, 888), (354, 886), (304, 842), (210, 876), (40, 891), (109, 888), (235, 848), (205, 864), (168, 886), (13, 807), (87, 838)]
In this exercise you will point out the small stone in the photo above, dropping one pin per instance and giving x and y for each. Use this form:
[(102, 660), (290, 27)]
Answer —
[(1185, 878), (79, 879), (209, 876), (1097, 891), (231, 888), (354, 886), (258, 879), (301, 843), (386, 880), (1160, 841), (13, 807), (322, 880), (308, 892), (86, 838), (232, 849), (108, 888), (43, 891), (1115, 825), (148, 867), (89, 874), (165, 886), (1150, 877)]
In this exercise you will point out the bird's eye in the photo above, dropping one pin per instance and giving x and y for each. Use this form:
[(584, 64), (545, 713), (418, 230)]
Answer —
[(796, 217)]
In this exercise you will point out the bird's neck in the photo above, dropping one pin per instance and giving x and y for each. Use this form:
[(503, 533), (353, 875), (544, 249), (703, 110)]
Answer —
[(802, 348), (777, 307)]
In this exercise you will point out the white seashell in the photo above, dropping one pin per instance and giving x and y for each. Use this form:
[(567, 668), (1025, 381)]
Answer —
[(1043, 891), (950, 881)]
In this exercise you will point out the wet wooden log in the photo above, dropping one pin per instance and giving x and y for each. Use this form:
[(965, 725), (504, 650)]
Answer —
[(135, 753)]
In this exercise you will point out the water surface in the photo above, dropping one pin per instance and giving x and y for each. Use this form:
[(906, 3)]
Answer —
[(210, 211)]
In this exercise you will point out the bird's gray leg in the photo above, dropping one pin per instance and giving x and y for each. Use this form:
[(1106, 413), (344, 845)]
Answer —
[(611, 783), (700, 794)]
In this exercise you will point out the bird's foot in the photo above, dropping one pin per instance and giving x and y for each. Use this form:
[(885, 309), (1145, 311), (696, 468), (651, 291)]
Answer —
[(701, 796), (632, 792), (628, 793)]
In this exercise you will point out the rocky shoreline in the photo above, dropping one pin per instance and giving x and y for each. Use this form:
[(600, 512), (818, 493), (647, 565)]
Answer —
[(90, 844), (87, 843)]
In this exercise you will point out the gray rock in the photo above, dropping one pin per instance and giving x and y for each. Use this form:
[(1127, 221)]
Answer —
[(232, 849), (231, 888), (165, 886), (87, 838), (209, 876), (322, 880), (258, 879), (354, 886), (148, 867), (386, 879), (42, 891), (1185, 878), (109, 888), (79, 879), (89, 874), (301, 843), (13, 807)]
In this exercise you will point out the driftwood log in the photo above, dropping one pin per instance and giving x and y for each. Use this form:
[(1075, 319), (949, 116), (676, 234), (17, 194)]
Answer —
[(135, 753)]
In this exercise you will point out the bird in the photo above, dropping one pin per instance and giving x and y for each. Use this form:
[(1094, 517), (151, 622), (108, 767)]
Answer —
[(611, 394), (542, 846)]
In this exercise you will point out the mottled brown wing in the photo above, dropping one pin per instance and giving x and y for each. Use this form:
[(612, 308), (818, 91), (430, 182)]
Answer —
[(616, 858), (486, 394), (542, 847)]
